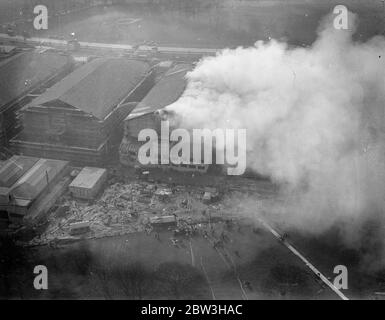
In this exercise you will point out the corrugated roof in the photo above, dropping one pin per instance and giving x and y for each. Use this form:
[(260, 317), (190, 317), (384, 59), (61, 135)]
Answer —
[(88, 177), (23, 71), (165, 92), (96, 87), (34, 181), (14, 168)]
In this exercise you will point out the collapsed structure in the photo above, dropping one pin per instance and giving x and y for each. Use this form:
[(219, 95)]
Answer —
[(80, 117), (29, 186), (20, 74), (149, 113)]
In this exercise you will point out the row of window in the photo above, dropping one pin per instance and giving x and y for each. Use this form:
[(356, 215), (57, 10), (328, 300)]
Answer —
[(190, 166)]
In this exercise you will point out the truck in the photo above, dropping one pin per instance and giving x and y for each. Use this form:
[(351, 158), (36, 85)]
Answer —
[(78, 228)]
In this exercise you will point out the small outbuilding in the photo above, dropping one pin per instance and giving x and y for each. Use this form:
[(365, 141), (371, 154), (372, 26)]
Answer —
[(163, 221), (88, 183)]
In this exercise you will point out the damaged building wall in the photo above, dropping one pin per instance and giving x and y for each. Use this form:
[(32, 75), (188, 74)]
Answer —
[(146, 115)]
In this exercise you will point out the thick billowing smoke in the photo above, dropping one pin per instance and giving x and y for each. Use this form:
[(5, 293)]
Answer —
[(314, 118)]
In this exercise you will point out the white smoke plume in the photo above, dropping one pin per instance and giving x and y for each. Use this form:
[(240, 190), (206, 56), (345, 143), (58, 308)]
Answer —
[(314, 118)]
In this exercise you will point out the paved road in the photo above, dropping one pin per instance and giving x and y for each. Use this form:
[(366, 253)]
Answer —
[(109, 46)]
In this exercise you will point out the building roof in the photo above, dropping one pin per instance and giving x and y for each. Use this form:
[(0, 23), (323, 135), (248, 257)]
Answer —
[(36, 179), (13, 169), (162, 219), (165, 92), (88, 177), (31, 182), (97, 87), (22, 72), (6, 49)]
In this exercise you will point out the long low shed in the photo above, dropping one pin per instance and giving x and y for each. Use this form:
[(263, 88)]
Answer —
[(28, 185)]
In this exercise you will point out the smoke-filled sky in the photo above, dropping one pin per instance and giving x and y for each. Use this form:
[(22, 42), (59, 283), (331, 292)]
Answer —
[(314, 118)]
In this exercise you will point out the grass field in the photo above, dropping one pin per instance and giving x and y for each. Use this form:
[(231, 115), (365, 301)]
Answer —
[(270, 270)]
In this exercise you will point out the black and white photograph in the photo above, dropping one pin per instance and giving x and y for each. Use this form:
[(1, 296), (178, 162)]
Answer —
[(211, 152)]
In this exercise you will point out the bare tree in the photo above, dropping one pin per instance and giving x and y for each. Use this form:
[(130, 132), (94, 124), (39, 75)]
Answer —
[(14, 267), (181, 280), (133, 280)]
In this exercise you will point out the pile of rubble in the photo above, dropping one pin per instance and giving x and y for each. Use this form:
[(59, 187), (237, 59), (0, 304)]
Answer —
[(126, 208)]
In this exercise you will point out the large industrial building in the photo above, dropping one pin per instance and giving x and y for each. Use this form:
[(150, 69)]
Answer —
[(150, 112), (166, 91), (29, 186), (146, 115), (80, 117), (21, 73)]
